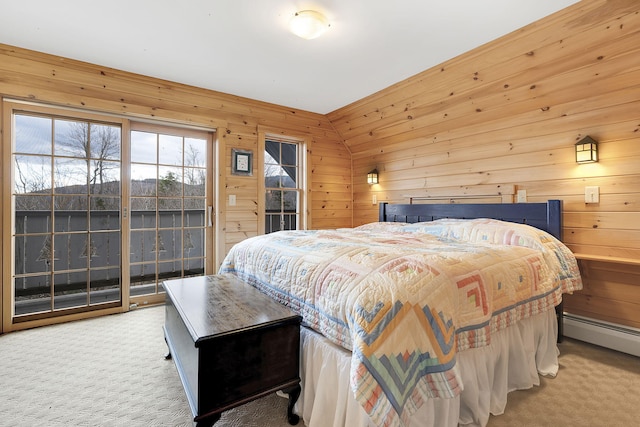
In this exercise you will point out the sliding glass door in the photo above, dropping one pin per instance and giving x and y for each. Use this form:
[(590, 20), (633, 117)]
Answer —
[(67, 201), (103, 210), (169, 215)]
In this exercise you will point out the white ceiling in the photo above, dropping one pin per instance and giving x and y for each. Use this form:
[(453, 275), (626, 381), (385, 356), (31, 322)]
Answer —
[(243, 47)]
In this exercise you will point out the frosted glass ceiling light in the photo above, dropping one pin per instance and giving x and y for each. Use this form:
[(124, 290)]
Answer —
[(309, 24)]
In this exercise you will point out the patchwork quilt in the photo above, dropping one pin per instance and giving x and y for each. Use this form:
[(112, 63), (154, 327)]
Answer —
[(405, 298)]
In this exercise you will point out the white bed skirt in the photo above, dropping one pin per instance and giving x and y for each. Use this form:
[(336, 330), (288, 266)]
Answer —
[(513, 361)]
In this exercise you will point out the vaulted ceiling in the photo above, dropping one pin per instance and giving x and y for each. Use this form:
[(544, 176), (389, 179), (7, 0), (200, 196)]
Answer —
[(244, 48)]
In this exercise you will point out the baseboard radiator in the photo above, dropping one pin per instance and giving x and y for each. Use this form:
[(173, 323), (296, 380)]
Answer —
[(617, 337)]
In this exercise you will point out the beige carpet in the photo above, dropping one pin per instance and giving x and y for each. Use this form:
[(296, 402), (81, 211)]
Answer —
[(111, 372)]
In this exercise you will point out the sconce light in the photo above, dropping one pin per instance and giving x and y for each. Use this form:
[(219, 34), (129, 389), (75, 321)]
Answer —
[(586, 150), (372, 177), (308, 24)]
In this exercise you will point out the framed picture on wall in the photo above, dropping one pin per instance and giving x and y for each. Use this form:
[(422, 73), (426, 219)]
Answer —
[(241, 162)]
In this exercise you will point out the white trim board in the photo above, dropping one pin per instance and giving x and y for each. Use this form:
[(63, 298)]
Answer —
[(616, 337)]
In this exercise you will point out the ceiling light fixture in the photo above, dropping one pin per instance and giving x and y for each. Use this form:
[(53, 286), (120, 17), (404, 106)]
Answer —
[(309, 24)]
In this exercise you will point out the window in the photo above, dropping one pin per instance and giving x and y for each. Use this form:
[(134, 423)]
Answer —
[(283, 185), (66, 197), (168, 207)]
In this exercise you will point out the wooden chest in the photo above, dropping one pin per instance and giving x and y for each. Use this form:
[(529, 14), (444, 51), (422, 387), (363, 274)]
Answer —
[(231, 344)]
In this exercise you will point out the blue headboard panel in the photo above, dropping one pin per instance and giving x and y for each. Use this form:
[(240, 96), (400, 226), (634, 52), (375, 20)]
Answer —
[(545, 216)]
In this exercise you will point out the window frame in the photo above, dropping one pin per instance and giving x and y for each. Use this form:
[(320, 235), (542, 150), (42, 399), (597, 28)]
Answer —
[(304, 170), (10, 107), (209, 230)]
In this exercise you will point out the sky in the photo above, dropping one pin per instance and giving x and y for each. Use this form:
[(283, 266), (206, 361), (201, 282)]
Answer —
[(33, 139)]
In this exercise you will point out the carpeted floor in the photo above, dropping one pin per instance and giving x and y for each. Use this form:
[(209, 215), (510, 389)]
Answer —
[(111, 372)]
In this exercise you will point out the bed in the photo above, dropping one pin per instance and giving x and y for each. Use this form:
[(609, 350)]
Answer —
[(428, 317)]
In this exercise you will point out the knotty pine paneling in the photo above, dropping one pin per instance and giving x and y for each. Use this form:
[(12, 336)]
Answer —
[(611, 292), (508, 114), (39, 77)]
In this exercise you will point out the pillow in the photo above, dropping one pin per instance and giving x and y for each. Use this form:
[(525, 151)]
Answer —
[(382, 226), (485, 230)]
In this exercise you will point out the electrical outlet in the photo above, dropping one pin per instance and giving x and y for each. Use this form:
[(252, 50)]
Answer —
[(592, 194)]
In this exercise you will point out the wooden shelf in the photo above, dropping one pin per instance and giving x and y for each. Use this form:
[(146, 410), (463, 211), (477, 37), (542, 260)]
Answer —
[(604, 258)]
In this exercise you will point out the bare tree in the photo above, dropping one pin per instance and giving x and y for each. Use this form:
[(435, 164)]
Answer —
[(194, 175), (105, 147), (31, 179), (98, 143)]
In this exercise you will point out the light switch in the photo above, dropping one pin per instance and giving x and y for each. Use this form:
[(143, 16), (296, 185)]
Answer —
[(232, 199), (374, 200), (592, 194), (522, 196)]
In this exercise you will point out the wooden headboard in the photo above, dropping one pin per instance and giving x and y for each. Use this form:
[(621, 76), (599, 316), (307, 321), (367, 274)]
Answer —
[(545, 216)]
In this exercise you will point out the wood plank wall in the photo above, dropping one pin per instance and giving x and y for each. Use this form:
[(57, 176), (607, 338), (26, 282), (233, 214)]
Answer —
[(508, 114), (503, 116), (49, 79)]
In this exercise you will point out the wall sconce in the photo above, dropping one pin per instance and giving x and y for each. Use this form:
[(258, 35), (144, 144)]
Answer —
[(586, 150), (308, 24), (372, 177)]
